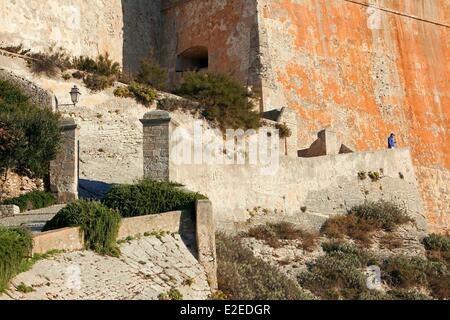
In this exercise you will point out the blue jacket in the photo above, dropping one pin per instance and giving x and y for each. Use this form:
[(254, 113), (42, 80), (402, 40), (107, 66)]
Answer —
[(391, 142)]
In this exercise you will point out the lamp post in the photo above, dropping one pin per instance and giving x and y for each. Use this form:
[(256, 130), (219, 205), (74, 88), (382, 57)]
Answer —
[(74, 96)]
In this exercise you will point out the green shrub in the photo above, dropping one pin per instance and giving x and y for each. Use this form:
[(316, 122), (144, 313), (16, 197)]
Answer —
[(149, 197), (102, 65), (437, 242), (143, 93), (405, 273), (15, 246), (123, 92), (152, 74), (49, 63), (241, 276), (102, 72), (85, 64), (32, 200), (99, 224), (96, 82), (383, 215), (172, 294), (224, 101), (363, 220), (337, 275), (30, 135)]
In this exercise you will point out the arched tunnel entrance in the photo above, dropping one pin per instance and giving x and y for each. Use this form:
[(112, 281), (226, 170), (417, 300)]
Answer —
[(193, 59)]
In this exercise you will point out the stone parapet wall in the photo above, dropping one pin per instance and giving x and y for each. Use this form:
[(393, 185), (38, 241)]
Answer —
[(38, 96), (305, 190)]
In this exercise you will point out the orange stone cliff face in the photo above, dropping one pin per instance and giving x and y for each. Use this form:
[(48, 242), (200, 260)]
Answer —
[(365, 71)]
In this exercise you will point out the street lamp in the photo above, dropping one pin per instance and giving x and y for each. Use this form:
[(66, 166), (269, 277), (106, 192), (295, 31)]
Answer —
[(74, 96)]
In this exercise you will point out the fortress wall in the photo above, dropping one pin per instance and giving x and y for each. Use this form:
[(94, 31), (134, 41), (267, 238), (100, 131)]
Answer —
[(227, 28), (127, 29), (320, 58), (322, 186)]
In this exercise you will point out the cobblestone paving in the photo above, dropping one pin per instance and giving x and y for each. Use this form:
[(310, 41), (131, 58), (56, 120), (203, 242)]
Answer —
[(147, 268)]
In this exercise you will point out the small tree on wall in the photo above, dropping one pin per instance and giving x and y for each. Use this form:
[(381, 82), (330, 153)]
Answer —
[(29, 135)]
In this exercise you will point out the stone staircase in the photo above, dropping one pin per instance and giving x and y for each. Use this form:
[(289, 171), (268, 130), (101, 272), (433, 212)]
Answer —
[(34, 219)]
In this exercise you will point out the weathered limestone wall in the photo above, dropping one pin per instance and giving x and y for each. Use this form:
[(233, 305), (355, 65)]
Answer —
[(227, 28), (301, 190), (127, 29), (366, 73)]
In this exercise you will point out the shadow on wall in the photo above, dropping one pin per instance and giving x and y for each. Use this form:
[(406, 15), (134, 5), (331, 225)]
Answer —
[(88, 189), (141, 29)]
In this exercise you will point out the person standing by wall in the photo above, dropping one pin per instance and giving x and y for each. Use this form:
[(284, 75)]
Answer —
[(391, 141)]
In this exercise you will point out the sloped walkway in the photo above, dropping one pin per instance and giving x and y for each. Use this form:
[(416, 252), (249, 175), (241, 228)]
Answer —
[(148, 267), (34, 219)]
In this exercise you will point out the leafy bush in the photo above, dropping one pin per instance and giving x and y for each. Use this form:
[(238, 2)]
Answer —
[(349, 225), (437, 242), (102, 72), (99, 224), (383, 215), (364, 220), (272, 233), (143, 94), (241, 276), (172, 294), (404, 272), (149, 197), (103, 65), (32, 200), (123, 92), (338, 274), (224, 101), (84, 63), (152, 74), (96, 82), (15, 246), (29, 137), (50, 63)]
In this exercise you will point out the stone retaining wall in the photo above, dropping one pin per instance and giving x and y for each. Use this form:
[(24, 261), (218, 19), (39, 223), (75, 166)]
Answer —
[(8, 210), (202, 225)]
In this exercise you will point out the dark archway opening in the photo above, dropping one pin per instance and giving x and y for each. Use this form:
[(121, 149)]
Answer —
[(193, 59)]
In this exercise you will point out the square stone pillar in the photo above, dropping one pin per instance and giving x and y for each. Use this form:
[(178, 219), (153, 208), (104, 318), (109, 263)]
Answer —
[(156, 145), (64, 169), (329, 139)]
